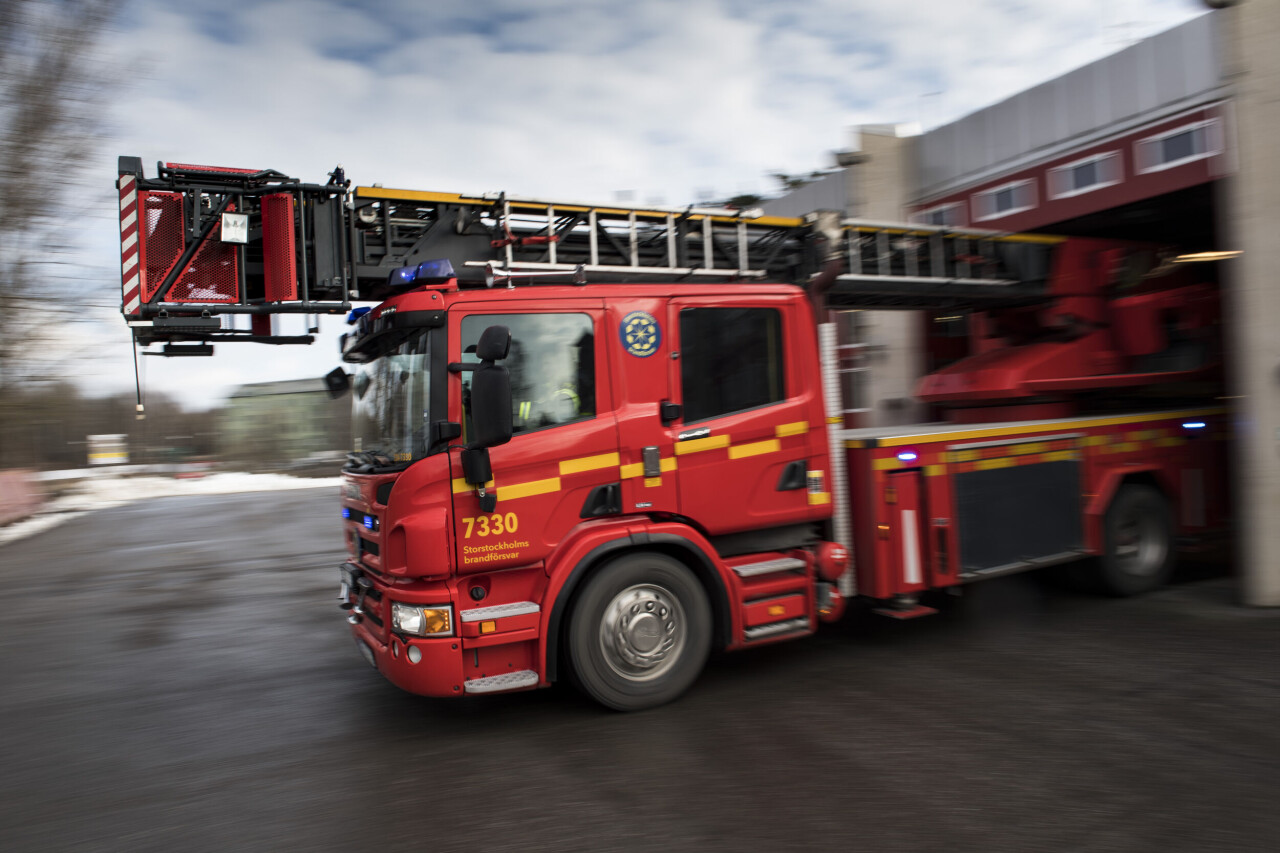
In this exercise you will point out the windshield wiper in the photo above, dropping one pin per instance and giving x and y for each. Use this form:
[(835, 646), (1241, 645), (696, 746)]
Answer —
[(366, 462)]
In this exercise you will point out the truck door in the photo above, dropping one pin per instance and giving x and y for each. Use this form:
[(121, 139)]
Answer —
[(565, 440), (744, 440), (641, 346)]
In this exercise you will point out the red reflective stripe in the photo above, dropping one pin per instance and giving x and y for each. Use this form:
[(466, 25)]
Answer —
[(130, 267)]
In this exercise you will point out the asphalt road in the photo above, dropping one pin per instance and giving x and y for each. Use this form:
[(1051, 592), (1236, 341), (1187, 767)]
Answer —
[(176, 679)]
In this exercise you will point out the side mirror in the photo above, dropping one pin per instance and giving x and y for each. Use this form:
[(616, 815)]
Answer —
[(337, 383), (495, 344), (490, 411)]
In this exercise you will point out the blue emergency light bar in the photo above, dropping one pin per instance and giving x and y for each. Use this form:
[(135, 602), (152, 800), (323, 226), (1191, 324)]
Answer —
[(427, 272)]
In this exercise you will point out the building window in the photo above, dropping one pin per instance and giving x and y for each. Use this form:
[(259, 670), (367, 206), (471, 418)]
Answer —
[(946, 215), (730, 360), (1184, 144), (1013, 197), (1085, 175)]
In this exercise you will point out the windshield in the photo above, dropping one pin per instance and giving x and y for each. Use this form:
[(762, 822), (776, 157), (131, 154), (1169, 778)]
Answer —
[(390, 412)]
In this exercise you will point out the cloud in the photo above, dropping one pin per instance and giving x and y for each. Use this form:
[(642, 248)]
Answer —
[(565, 99)]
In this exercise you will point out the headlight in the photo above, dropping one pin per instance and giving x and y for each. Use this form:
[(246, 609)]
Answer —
[(433, 621)]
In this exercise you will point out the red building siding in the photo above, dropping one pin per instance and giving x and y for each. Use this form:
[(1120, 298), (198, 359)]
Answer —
[(1132, 185)]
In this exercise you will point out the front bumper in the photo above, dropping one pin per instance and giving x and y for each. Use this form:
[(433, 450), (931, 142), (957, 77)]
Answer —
[(501, 660)]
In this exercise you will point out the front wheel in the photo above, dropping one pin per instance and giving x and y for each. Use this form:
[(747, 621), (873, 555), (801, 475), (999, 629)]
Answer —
[(1138, 542), (640, 632)]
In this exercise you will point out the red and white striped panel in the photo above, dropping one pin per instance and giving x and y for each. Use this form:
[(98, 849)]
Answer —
[(130, 270)]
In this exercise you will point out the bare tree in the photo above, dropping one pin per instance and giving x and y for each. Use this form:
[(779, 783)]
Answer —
[(53, 82)]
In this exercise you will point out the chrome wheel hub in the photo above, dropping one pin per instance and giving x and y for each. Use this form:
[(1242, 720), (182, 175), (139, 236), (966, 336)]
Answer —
[(1139, 548), (642, 632)]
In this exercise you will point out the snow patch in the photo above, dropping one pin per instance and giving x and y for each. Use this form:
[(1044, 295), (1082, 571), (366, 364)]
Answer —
[(103, 493)]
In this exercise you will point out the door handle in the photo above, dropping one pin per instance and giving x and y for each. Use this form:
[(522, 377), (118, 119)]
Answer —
[(690, 435)]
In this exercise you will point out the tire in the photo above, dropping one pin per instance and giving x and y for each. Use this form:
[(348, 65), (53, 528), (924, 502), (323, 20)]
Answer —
[(1138, 546), (639, 632)]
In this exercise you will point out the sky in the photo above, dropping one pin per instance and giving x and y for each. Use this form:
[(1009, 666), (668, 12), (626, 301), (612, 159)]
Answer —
[(659, 101)]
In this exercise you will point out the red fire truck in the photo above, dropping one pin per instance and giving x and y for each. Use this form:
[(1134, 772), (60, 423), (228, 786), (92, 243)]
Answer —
[(597, 443)]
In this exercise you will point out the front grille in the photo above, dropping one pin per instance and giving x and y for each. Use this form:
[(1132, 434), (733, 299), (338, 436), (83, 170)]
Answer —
[(371, 606), (371, 610)]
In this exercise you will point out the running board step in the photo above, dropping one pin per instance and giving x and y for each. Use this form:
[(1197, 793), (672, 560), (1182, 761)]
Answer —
[(498, 611), (789, 626), (768, 567), (499, 683)]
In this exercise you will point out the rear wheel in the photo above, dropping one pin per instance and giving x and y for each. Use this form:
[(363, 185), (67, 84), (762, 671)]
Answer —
[(1138, 542), (639, 632)]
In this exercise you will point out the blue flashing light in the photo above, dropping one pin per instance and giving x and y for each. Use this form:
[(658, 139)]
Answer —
[(403, 277), (346, 512), (908, 456), (440, 269), (356, 314), (369, 522), (1194, 425), (427, 272)]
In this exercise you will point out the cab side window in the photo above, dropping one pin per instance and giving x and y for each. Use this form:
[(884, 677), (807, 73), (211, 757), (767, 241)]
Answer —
[(552, 367), (730, 360)]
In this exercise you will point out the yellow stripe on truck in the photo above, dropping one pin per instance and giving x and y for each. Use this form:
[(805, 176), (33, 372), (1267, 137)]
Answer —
[(1046, 426), (588, 463), (741, 451), (631, 471), (528, 490), (697, 445), (797, 428)]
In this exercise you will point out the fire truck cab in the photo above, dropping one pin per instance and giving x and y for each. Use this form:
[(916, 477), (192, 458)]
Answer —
[(583, 513)]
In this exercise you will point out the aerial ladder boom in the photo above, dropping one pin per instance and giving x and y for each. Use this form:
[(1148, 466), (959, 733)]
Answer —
[(202, 244)]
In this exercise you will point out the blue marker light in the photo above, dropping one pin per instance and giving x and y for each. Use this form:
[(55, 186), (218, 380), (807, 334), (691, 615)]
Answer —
[(368, 522), (346, 512), (1193, 425), (908, 456)]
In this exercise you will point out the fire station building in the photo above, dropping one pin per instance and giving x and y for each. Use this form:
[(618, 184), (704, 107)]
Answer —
[(1171, 140)]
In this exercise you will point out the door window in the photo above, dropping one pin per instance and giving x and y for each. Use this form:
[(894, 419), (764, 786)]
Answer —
[(552, 367), (730, 360)]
